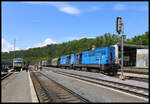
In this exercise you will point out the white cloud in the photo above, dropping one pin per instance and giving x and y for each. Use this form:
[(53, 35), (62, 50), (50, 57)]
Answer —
[(93, 8), (68, 8), (120, 7), (141, 8), (61, 6), (70, 38), (6, 46), (44, 43)]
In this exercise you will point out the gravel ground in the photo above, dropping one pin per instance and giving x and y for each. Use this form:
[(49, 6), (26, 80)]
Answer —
[(96, 93), (104, 77), (135, 75)]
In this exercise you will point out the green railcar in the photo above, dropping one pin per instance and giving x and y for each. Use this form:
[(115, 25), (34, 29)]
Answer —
[(18, 64)]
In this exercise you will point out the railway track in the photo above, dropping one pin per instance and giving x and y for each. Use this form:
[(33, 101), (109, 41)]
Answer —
[(136, 78), (130, 75), (50, 91), (137, 75), (136, 90), (4, 76), (134, 72)]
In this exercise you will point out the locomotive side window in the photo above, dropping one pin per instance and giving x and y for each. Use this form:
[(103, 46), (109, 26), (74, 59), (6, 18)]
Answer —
[(91, 54), (103, 53)]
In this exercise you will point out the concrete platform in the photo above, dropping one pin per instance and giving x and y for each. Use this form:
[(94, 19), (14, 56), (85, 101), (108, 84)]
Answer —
[(18, 88)]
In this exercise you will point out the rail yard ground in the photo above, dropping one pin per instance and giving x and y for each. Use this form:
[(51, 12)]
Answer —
[(72, 88), (135, 70)]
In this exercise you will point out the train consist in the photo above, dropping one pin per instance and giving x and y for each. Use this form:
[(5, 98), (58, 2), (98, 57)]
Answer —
[(18, 64), (6, 66), (102, 59)]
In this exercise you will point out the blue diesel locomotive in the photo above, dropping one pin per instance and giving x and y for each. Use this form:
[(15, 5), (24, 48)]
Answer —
[(102, 59)]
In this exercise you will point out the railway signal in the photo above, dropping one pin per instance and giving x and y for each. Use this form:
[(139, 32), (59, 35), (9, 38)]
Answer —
[(120, 29), (119, 25)]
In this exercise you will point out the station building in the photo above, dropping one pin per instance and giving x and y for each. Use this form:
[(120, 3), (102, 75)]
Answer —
[(134, 55)]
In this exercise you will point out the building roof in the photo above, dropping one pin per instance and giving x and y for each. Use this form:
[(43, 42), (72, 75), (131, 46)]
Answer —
[(6, 63), (134, 46)]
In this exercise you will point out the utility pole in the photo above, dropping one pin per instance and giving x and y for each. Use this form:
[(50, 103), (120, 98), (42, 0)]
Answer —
[(120, 29), (14, 46), (122, 41)]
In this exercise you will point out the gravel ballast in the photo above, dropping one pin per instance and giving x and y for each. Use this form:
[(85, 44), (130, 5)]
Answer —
[(94, 93), (104, 77)]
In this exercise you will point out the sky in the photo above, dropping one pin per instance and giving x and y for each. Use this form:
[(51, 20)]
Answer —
[(36, 24)]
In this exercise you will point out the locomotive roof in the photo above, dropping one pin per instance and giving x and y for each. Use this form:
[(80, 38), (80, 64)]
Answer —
[(18, 59)]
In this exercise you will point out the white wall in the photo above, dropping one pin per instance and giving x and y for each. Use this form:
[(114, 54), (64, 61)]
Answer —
[(116, 53), (142, 58)]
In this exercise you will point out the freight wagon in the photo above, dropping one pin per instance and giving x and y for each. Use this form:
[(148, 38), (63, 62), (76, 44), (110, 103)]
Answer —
[(102, 59), (44, 63), (55, 62), (48, 63)]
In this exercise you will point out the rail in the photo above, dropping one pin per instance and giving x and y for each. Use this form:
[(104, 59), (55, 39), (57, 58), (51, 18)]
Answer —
[(5, 75), (139, 91), (57, 96)]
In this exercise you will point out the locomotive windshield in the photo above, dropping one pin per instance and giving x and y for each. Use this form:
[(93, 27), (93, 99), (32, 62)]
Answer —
[(17, 63), (18, 59)]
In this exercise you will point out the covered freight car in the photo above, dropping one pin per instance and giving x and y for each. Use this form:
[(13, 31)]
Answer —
[(48, 63), (44, 62), (55, 62)]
